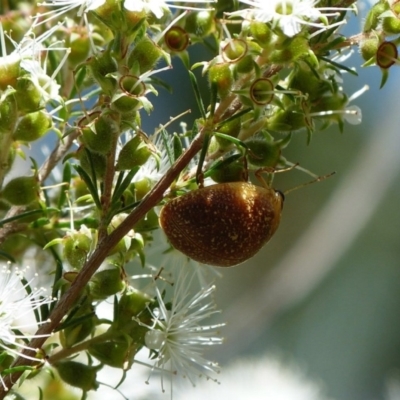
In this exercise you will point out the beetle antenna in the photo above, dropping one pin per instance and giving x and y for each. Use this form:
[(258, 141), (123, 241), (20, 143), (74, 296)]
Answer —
[(317, 179), (272, 170), (297, 166)]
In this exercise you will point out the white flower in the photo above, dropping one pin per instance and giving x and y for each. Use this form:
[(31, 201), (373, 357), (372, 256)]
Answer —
[(177, 334), (30, 47), (159, 7), (67, 5), (47, 86), (288, 15), (161, 255), (18, 301), (28, 55)]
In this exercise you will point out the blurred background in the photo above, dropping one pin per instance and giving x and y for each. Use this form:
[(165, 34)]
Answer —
[(324, 292)]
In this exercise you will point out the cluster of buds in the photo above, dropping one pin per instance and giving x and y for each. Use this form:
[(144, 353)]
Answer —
[(83, 73), (381, 36)]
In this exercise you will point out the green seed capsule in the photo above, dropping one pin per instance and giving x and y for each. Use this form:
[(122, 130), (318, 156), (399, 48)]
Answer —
[(22, 190)]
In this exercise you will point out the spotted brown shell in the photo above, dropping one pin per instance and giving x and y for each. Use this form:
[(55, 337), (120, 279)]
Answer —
[(223, 224)]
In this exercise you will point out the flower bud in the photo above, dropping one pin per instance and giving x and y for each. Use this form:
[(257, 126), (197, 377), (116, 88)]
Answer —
[(200, 23), (127, 105), (305, 81), (28, 96), (148, 223), (176, 39), (103, 66), (137, 243), (231, 128), (391, 25), (134, 153), (115, 353), (262, 91), (21, 191), (131, 304), (373, 18), (290, 50), (132, 85), (132, 89), (125, 243), (234, 50), (221, 76), (386, 55), (287, 120), (262, 153), (141, 188), (229, 172), (78, 375), (76, 247), (106, 283), (8, 163), (369, 48), (32, 126), (8, 113), (75, 333), (146, 53), (100, 135), (245, 65), (9, 71), (16, 246), (127, 198), (78, 41), (89, 158), (261, 33), (110, 14)]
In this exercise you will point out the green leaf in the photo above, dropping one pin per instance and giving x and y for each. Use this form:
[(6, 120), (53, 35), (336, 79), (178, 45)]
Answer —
[(177, 145), (123, 185), (385, 76), (234, 116), (221, 163), (66, 178), (339, 66), (80, 76), (7, 256), (196, 90), (27, 214), (203, 153), (160, 82), (231, 139), (72, 322), (92, 187), (213, 97), (165, 138)]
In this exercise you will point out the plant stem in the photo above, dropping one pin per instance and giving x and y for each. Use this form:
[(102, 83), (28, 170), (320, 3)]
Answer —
[(64, 353)]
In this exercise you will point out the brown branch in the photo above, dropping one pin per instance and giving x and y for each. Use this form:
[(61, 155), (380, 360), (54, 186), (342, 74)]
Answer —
[(101, 252), (57, 155)]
